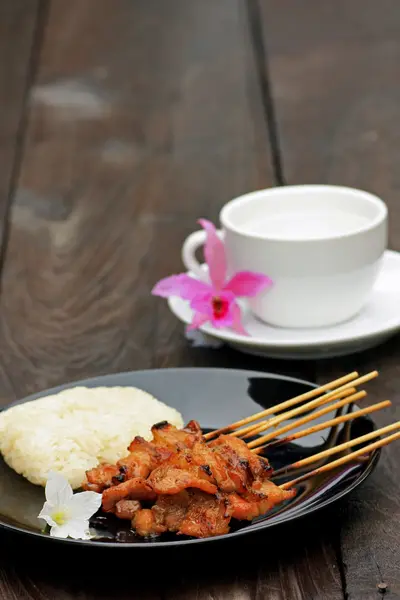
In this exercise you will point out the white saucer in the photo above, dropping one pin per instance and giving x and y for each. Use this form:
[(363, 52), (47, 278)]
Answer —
[(378, 321)]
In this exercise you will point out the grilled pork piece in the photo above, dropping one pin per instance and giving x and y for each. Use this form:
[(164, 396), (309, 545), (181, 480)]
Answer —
[(126, 509), (143, 458), (216, 467), (171, 510), (168, 479), (133, 489), (240, 458), (175, 439), (205, 517), (260, 498), (100, 478), (145, 523)]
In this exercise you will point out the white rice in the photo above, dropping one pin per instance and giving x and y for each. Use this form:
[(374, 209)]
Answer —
[(77, 429)]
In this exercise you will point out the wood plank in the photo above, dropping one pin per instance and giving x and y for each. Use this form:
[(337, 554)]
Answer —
[(18, 21), (127, 139), (334, 71), (249, 570), (370, 528)]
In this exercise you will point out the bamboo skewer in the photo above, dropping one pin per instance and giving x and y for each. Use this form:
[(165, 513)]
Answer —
[(319, 413), (343, 390), (257, 428), (319, 401), (324, 425), (342, 461), (337, 383), (325, 453)]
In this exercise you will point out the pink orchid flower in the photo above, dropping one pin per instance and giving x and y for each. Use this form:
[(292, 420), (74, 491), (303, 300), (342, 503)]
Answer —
[(214, 302)]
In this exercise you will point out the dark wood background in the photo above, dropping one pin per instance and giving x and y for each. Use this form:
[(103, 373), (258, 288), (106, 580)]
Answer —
[(121, 123)]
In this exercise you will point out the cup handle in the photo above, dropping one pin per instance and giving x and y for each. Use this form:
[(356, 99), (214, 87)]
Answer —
[(190, 245)]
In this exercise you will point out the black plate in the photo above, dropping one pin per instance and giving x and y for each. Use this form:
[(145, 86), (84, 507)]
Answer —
[(214, 397)]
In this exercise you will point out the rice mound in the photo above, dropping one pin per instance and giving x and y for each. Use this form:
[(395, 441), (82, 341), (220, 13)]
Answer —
[(76, 429)]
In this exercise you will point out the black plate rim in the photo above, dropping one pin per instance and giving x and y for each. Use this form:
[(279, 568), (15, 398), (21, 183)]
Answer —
[(178, 544)]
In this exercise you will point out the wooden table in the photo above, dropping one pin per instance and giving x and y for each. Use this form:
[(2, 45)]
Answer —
[(121, 123)]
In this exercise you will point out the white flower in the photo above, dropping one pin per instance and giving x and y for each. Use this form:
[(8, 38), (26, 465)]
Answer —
[(67, 513)]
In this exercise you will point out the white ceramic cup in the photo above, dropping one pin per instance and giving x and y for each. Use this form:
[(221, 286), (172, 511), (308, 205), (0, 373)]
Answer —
[(322, 246)]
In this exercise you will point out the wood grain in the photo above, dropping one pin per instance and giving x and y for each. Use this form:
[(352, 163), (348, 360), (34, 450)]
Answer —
[(370, 533), (334, 69), (128, 144), (18, 23), (245, 570)]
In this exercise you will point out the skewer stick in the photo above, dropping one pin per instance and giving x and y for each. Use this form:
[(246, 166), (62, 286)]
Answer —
[(318, 402), (325, 425), (287, 404), (306, 419), (257, 428), (325, 453), (342, 461)]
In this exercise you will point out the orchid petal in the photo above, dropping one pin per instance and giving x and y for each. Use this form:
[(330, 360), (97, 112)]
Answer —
[(214, 252), (58, 491), (198, 321), (246, 283), (180, 285), (203, 304), (225, 320), (84, 505), (237, 324)]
